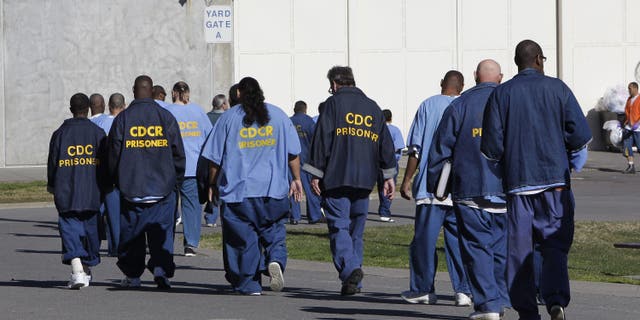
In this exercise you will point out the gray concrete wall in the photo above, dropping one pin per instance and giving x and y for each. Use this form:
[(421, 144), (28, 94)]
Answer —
[(50, 49)]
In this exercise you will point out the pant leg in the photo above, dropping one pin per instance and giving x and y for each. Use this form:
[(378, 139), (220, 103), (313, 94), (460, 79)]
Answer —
[(358, 215), (132, 248), (476, 229), (554, 228), (627, 144), (112, 204), (423, 259), (160, 228), (212, 213), (272, 214), (79, 235), (500, 236), (313, 200), (338, 213), (243, 252), (384, 206), (457, 274), (520, 281), (191, 212), (295, 213)]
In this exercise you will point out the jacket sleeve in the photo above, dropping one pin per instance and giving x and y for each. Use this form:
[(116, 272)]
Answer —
[(177, 149), (492, 144), (444, 142), (387, 153), (104, 179), (52, 162), (576, 129), (114, 141), (322, 141)]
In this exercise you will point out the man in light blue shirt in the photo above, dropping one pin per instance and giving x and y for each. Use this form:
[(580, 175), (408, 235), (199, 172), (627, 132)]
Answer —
[(431, 213)]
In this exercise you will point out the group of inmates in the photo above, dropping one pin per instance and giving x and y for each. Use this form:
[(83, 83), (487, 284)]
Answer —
[(504, 153)]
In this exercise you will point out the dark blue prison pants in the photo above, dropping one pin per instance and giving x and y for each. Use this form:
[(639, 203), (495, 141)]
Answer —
[(313, 201), (346, 216), (384, 208), (423, 260), (142, 224), (212, 212), (546, 219), (191, 212), (80, 239), (249, 227), (112, 210), (630, 139), (483, 245)]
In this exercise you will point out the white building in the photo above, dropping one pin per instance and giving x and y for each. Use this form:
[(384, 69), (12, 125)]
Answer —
[(399, 51)]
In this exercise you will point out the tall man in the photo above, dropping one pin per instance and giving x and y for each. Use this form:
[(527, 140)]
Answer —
[(305, 127), (147, 160), (431, 214), (476, 189), (351, 144), (632, 126), (534, 126), (384, 208)]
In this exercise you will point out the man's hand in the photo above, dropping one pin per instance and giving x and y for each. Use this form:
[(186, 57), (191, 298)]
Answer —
[(295, 189), (389, 188), (405, 189), (315, 185), (214, 193)]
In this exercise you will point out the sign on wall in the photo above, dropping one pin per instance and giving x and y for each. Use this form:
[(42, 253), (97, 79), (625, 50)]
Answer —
[(218, 24)]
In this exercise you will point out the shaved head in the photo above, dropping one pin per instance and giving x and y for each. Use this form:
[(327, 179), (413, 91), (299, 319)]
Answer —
[(488, 71), (142, 87), (452, 83), (529, 55), (96, 103)]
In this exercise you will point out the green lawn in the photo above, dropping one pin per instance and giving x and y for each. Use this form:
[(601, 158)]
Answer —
[(16, 192), (592, 257)]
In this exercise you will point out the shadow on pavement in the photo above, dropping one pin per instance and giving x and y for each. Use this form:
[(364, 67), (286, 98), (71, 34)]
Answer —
[(377, 313)]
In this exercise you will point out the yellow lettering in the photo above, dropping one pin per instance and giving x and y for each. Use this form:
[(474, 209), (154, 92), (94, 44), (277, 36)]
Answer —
[(476, 132), (368, 121)]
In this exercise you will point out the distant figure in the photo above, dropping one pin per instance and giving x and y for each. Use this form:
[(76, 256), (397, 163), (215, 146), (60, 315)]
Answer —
[(384, 208), (305, 128), (632, 126), (233, 95), (159, 95), (534, 126), (350, 146), (432, 214), (96, 104), (75, 169), (147, 161), (212, 210), (195, 126), (252, 149)]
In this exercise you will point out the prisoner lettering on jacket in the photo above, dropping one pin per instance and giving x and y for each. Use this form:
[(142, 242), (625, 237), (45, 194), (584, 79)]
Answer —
[(355, 119), (79, 155), (256, 137), (189, 129), (146, 137)]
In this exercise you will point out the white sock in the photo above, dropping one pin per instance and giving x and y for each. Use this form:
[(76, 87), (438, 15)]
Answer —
[(76, 266), (158, 272)]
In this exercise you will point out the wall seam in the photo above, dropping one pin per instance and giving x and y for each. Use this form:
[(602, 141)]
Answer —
[(3, 158)]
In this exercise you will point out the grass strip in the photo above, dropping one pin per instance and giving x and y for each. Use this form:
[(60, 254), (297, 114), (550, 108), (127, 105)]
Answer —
[(16, 192)]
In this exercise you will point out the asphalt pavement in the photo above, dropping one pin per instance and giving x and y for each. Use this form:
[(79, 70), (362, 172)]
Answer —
[(33, 281)]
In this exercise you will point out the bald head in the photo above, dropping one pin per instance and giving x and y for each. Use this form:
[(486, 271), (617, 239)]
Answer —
[(142, 87), (96, 103), (529, 55), (488, 71), (452, 83)]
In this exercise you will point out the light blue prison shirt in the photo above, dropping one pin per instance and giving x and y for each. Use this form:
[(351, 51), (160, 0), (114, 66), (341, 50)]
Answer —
[(195, 126)]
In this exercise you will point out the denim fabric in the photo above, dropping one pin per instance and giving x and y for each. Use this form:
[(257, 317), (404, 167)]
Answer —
[(191, 212), (79, 233)]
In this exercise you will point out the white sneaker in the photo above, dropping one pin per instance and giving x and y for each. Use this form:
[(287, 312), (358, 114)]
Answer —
[(462, 300), (78, 280), (479, 315), (413, 297), (387, 219), (557, 313), (130, 282), (277, 279)]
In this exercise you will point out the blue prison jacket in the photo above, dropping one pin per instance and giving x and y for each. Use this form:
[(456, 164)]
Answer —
[(351, 143), (146, 155), (76, 165), (305, 127)]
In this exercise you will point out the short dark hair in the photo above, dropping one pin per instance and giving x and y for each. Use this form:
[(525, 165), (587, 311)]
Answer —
[(233, 95), (634, 84), (342, 76), (116, 101), (79, 103), (526, 52), (156, 91), (300, 106), (387, 114), (454, 79)]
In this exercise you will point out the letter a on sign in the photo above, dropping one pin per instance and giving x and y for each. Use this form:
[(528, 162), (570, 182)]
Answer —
[(218, 24)]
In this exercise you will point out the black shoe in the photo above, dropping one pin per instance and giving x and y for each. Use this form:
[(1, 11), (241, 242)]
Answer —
[(162, 283), (293, 222), (350, 286), (189, 252), (631, 169)]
